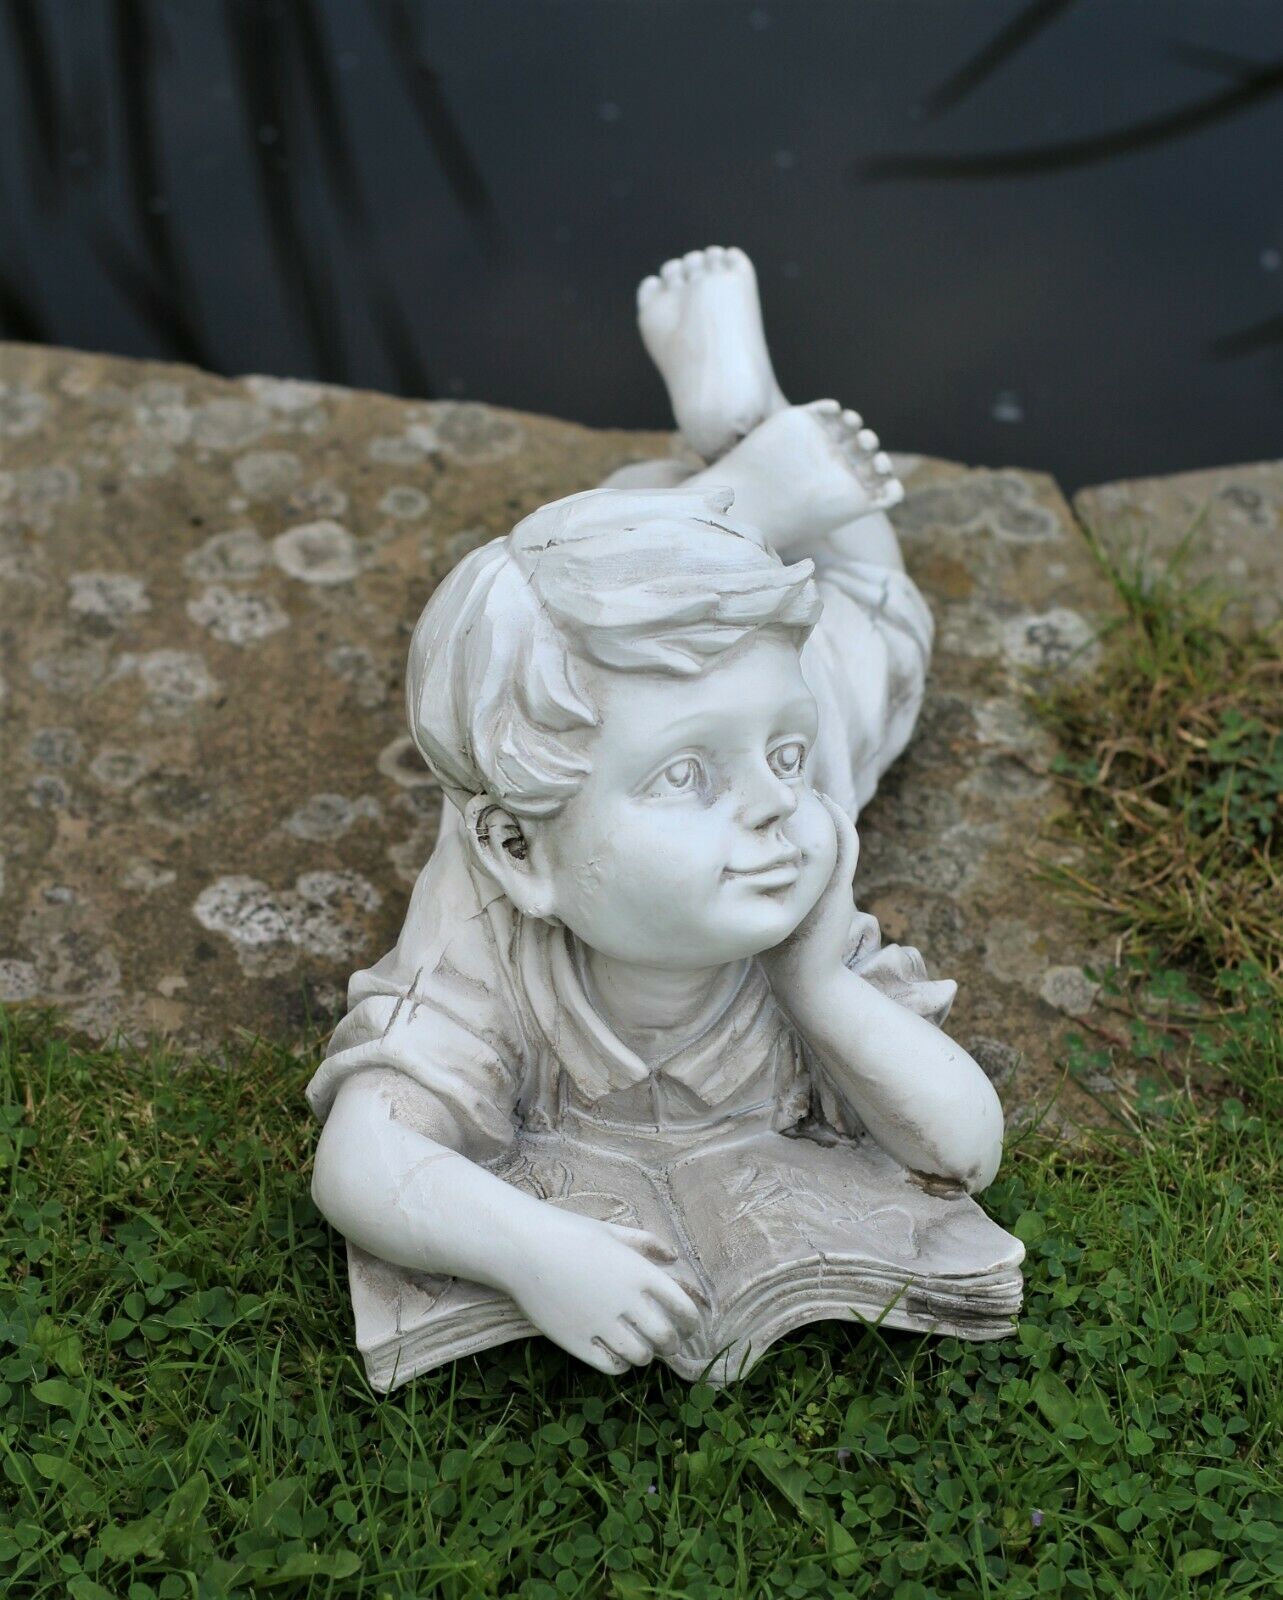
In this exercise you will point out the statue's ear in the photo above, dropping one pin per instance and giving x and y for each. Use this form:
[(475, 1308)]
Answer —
[(501, 846)]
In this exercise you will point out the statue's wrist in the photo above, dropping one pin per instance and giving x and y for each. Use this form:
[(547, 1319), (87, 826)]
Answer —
[(807, 988), (532, 1242)]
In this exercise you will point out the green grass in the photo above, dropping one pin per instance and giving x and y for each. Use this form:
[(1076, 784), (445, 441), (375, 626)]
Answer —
[(181, 1413), (1175, 757)]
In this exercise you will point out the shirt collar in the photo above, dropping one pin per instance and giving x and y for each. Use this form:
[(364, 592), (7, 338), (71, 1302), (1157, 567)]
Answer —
[(712, 1066)]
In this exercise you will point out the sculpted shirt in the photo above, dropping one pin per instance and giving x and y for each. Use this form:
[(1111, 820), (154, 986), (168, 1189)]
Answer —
[(488, 1011), (866, 664)]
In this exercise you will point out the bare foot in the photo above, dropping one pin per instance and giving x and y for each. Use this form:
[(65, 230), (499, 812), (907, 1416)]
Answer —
[(805, 471), (701, 322)]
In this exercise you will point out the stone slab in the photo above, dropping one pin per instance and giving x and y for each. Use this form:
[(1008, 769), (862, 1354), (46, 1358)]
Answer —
[(954, 845), (210, 810), (1221, 526)]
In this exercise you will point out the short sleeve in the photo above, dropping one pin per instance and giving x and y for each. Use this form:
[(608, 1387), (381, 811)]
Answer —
[(866, 663), (438, 1008)]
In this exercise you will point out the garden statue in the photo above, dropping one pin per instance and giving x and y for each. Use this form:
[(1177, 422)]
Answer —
[(638, 1075)]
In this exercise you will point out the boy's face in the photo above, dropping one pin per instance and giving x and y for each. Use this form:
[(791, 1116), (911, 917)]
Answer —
[(697, 838)]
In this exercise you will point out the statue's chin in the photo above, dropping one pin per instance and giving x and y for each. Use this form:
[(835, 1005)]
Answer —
[(769, 938)]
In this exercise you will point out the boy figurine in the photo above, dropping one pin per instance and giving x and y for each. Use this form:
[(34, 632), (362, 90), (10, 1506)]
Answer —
[(637, 1074)]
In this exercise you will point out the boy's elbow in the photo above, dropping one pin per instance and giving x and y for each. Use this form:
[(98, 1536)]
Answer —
[(969, 1153), (964, 1167), (981, 1125), (983, 1168), (327, 1182), (341, 1170)]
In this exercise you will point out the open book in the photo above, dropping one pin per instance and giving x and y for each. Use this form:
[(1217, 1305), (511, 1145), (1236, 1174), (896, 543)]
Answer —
[(777, 1230)]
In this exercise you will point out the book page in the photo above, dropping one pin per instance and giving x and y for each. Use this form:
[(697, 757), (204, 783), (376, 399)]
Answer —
[(778, 1231), (769, 1209)]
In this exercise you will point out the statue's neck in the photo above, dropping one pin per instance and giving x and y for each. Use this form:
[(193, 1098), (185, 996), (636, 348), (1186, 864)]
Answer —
[(654, 1008)]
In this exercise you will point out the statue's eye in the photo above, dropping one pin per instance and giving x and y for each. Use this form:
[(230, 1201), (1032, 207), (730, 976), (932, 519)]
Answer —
[(786, 759), (683, 774)]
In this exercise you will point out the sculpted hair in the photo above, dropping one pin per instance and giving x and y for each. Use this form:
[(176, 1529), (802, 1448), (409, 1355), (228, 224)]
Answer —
[(651, 580)]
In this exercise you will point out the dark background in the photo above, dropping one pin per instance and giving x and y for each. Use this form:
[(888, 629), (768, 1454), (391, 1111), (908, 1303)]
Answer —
[(1044, 234)]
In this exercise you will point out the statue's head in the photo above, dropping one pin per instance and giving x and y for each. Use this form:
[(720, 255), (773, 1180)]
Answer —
[(613, 696)]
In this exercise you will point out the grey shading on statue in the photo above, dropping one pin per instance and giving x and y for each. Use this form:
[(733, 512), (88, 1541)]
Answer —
[(780, 1231), (637, 1074)]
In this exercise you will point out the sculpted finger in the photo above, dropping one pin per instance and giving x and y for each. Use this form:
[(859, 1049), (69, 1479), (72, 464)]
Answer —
[(604, 1359), (692, 1290), (646, 1243), (678, 1302), (654, 1326), (624, 1341), (848, 841)]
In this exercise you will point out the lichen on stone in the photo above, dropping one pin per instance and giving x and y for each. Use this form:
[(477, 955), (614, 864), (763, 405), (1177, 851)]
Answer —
[(237, 617), (322, 552)]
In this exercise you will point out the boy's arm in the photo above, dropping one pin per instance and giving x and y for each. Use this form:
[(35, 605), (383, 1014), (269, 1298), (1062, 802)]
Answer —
[(919, 1094), (386, 1178), (389, 1176)]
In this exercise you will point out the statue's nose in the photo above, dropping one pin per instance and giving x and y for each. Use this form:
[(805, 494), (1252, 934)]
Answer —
[(767, 799)]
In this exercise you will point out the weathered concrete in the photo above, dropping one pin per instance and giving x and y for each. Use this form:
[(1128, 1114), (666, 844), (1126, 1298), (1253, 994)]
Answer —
[(210, 811)]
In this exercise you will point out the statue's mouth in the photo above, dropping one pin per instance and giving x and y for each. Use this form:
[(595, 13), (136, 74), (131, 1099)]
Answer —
[(781, 872)]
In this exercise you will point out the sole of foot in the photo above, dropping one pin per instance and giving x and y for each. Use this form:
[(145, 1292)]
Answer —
[(701, 323), (805, 471)]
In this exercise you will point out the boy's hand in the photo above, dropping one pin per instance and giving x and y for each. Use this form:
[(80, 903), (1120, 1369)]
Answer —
[(601, 1291), (815, 951)]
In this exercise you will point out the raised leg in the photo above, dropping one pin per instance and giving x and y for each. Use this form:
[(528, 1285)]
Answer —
[(804, 472), (871, 539), (701, 322)]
